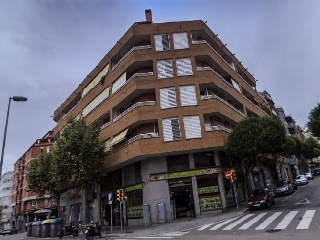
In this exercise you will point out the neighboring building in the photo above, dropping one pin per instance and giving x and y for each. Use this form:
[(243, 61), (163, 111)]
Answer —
[(26, 205), (292, 165), (5, 199), (165, 98)]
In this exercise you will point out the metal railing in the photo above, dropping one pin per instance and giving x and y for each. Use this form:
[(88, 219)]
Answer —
[(128, 53), (135, 138), (138, 104), (213, 96), (218, 127)]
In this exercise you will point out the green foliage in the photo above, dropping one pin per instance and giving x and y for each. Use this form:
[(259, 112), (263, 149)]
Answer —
[(314, 121), (79, 156), (310, 148), (292, 146), (77, 160), (254, 137)]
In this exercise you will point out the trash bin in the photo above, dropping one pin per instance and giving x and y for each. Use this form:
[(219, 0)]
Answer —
[(45, 228), (146, 214), (56, 227), (36, 229), (161, 213), (29, 229)]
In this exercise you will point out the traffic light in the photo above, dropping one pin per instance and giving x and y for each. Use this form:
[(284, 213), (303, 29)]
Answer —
[(233, 175), (120, 194)]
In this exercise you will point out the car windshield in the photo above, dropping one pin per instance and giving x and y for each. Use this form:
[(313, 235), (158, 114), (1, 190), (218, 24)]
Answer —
[(281, 184), (298, 177)]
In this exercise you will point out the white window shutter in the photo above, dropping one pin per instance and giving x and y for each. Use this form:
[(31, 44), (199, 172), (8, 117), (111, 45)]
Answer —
[(96, 102), (192, 127), (171, 129), (188, 95), (235, 85), (165, 69), (180, 40), (168, 98), (184, 67), (162, 42)]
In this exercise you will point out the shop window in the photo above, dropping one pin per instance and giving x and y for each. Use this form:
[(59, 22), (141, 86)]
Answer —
[(134, 204), (178, 163), (204, 160)]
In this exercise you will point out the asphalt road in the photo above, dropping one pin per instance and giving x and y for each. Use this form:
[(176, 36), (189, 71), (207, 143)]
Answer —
[(296, 216)]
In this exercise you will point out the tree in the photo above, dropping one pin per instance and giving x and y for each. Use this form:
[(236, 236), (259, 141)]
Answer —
[(314, 121), (79, 155), (310, 148), (76, 161), (253, 139)]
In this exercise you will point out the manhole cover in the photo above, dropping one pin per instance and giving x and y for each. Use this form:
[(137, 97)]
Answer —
[(273, 230)]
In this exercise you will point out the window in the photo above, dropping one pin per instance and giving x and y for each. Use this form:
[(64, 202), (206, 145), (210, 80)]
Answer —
[(96, 102), (192, 127), (235, 85), (165, 69), (46, 201), (184, 67), (33, 203), (162, 42), (188, 95), (171, 129), (119, 83), (167, 98), (180, 40)]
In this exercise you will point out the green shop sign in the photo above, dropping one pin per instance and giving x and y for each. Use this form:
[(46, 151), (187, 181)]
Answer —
[(183, 174)]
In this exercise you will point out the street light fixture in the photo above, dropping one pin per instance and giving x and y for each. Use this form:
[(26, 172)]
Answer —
[(16, 99)]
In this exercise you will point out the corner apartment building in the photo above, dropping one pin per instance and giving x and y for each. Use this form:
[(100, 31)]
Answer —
[(5, 199), (26, 205), (165, 98)]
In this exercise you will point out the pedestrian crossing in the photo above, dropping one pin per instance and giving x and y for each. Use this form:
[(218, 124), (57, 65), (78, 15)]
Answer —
[(162, 236), (278, 220)]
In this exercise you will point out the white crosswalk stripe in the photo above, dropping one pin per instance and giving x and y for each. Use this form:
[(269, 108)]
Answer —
[(281, 220)]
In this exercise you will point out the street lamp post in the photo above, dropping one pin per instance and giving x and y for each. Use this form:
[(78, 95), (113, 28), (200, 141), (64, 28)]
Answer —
[(16, 99)]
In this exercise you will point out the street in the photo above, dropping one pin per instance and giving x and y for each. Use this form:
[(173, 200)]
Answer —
[(296, 216)]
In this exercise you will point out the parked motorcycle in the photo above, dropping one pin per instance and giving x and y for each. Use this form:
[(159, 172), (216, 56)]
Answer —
[(92, 230), (69, 230)]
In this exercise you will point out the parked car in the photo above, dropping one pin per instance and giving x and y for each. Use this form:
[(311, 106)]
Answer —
[(284, 187), (309, 175), (301, 180), (261, 199), (316, 172), (9, 231)]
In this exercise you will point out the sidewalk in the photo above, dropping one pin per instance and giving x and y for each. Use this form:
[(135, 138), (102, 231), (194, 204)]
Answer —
[(156, 229)]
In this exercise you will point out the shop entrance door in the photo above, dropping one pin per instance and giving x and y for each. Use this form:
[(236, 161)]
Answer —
[(181, 201)]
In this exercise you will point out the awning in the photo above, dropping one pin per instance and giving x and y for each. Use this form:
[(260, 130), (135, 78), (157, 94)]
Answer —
[(107, 145), (42, 211), (118, 138)]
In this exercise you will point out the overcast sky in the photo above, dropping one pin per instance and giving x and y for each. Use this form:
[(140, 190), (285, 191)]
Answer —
[(48, 47)]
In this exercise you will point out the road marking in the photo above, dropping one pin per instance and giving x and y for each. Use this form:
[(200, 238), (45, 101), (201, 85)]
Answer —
[(303, 201), (252, 221), (286, 220), (306, 219), (223, 223), (241, 220), (205, 226), (268, 221)]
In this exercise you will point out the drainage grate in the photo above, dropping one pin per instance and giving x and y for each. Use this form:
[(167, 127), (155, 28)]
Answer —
[(273, 230)]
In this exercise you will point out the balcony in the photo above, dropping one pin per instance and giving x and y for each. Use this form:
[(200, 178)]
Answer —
[(218, 128), (135, 138), (205, 97), (132, 107), (136, 43)]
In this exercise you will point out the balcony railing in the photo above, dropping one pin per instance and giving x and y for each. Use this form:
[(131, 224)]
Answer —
[(104, 125), (138, 104), (203, 97), (132, 77), (135, 138), (210, 69), (205, 42), (218, 127), (128, 53)]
